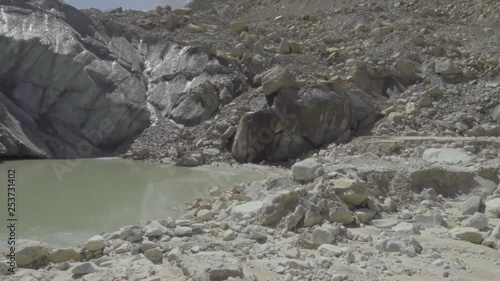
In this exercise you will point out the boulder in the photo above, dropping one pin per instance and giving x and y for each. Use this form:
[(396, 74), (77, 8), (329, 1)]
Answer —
[(192, 28), (238, 26), (495, 234), (28, 252), (190, 160), (429, 220), (492, 208), (154, 255), (62, 255), (229, 235), (322, 236), (183, 231), (174, 254), (204, 215), (276, 206), (210, 152), (390, 245), (365, 215), (339, 212), (276, 78), (385, 223), (307, 170), (84, 268), (252, 207), (146, 245), (327, 250), (95, 243), (447, 156), (468, 234), (406, 228), (406, 68), (154, 229), (478, 221), (132, 233), (284, 47), (301, 120), (446, 67), (471, 205), (353, 192), (377, 34)]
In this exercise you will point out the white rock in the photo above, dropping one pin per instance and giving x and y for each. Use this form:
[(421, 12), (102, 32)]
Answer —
[(429, 220), (148, 245), (84, 268), (307, 170), (446, 155), (365, 215), (492, 209), (390, 245), (350, 258), (384, 223), (471, 205), (469, 234), (352, 192), (322, 236), (204, 215), (211, 152), (495, 234), (406, 215), (154, 228), (229, 235), (446, 66), (251, 207), (183, 231), (276, 78), (328, 250), (292, 253), (478, 221), (154, 255), (124, 248), (406, 228), (95, 243), (174, 254)]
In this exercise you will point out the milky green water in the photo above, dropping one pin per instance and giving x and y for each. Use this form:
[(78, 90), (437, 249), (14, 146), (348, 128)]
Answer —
[(66, 202)]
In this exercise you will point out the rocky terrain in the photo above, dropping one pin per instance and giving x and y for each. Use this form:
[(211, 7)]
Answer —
[(385, 113)]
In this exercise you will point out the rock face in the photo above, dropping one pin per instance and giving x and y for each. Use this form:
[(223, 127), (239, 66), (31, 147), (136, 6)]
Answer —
[(299, 121), (66, 87)]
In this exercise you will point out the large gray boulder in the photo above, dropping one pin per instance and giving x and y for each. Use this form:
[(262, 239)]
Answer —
[(68, 90), (301, 120), (28, 252)]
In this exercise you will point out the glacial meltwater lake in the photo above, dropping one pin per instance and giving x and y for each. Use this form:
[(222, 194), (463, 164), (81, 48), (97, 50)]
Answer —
[(66, 202)]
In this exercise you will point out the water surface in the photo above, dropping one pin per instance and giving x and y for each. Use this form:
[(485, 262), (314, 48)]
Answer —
[(66, 202)]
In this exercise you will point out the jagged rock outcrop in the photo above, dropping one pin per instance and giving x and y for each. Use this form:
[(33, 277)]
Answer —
[(301, 120), (187, 83), (68, 89)]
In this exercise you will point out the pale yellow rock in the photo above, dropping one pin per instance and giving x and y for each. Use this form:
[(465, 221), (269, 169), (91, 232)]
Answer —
[(238, 26)]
